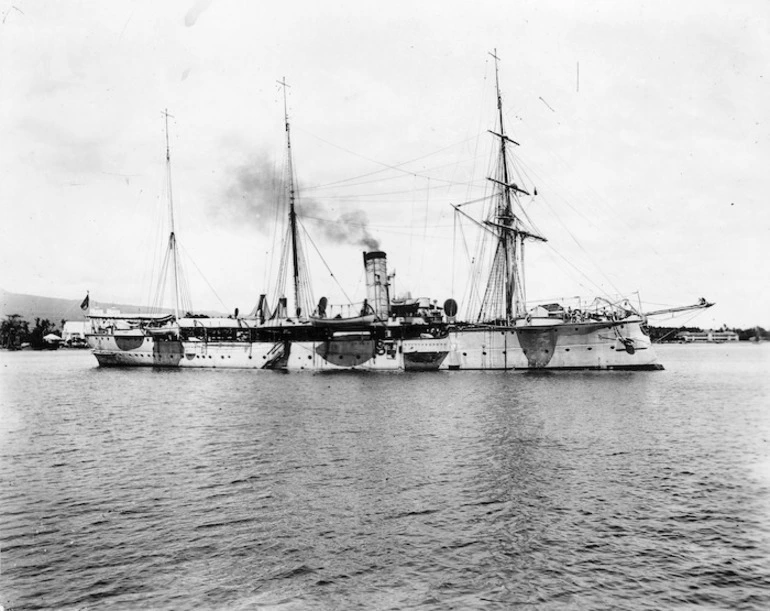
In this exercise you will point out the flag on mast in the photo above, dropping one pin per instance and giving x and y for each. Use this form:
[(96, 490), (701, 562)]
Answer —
[(84, 305)]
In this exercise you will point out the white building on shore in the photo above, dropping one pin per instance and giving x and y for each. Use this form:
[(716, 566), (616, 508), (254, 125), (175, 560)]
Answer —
[(74, 332), (711, 336)]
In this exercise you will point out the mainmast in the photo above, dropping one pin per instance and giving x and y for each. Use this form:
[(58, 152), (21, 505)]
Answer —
[(292, 211), (302, 297)]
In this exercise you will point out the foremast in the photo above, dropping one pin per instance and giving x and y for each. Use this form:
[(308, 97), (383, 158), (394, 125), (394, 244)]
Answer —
[(505, 294)]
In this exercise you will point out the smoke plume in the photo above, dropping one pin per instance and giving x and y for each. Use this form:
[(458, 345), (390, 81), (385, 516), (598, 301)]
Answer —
[(351, 227), (253, 193), (255, 196)]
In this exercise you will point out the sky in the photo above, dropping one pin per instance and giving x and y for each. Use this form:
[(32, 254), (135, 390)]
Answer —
[(643, 125)]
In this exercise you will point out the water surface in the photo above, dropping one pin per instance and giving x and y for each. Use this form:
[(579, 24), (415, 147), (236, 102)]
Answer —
[(171, 489)]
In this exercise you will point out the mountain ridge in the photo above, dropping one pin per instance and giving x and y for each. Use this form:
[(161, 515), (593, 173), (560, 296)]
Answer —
[(54, 309)]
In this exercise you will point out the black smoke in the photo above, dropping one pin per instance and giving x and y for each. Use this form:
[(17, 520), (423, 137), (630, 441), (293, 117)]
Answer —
[(255, 194)]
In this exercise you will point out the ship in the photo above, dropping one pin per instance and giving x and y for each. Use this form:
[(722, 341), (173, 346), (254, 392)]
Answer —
[(503, 331)]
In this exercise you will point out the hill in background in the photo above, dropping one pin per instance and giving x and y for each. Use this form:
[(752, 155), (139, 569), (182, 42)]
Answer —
[(54, 309)]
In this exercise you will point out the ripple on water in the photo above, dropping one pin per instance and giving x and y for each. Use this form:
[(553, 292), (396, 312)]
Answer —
[(239, 490)]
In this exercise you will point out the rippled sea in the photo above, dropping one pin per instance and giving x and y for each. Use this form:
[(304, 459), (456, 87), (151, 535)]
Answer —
[(170, 489)]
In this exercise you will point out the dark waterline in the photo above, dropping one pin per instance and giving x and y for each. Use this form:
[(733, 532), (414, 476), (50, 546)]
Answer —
[(170, 489)]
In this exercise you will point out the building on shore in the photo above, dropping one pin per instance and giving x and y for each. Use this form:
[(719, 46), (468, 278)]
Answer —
[(710, 336), (74, 333)]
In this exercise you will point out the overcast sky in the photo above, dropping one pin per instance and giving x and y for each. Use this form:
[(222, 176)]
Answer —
[(644, 126)]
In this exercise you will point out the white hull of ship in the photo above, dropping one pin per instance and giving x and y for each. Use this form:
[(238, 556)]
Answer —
[(583, 345)]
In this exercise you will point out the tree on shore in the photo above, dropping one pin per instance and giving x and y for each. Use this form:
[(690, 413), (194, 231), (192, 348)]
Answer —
[(13, 331), (43, 327)]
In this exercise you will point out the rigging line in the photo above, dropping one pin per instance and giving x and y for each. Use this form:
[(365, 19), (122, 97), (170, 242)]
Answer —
[(404, 230), (474, 201), (160, 290), (277, 226), (356, 196), (368, 225), (596, 286), (523, 211), (473, 288), (520, 168), (425, 230), (558, 195), (663, 305), (512, 161), (377, 180), (454, 248), (163, 280), (588, 254), (186, 296), (159, 242), (682, 324), (482, 116), (326, 265), (470, 290), (187, 254), (386, 166), (603, 203), (305, 297), (595, 264), (156, 250), (411, 215), (282, 263)]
